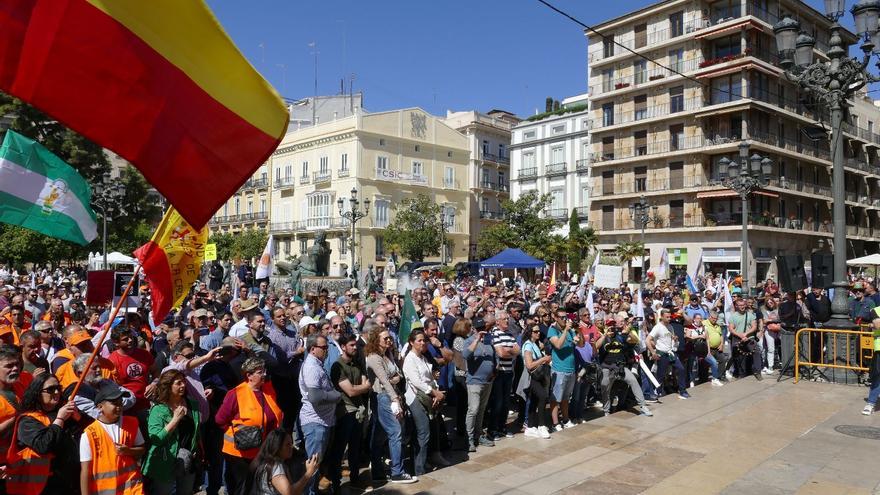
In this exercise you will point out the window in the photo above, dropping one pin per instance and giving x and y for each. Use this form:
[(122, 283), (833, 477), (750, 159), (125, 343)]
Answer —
[(418, 148), (640, 141), (676, 137), (277, 173), (303, 245), (557, 155), (448, 217), (382, 162), (640, 69), (305, 170), (262, 205), (676, 99), (380, 248), (343, 245), (418, 169), (484, 204), (485, 147), (559, 129), (641, 176), (528, 135), (287, 247), (608, 114), (448, 154), (502, 179), (288, 171), (250, 209), (640, 32), (607, 80), (641, 107), (608, 148), (381, 142), (501, 151), (608, 46), (676, 59), (237, 205), (323, 164), (528, 160), (729, 45), (676, 24), (319, 209), (343, 161), (557, 199), (726, 89), (225, 209), (449, 177), (380, 212)]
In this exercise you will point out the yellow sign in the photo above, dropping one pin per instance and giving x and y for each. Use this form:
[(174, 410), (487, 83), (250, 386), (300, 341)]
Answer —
[(210, 252)]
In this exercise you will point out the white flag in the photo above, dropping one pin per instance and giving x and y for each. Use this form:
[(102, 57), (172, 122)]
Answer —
[(699, 269), (595, 263), (264, 268), (590, 303), (728, 302), (663, 267)]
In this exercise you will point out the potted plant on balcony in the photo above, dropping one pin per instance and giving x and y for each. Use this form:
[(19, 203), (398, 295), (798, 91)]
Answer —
[(621, 85), (655, 77), (710, 222)]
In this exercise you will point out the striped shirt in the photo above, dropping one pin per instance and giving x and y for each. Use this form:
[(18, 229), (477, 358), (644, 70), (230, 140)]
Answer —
[(503, 339)]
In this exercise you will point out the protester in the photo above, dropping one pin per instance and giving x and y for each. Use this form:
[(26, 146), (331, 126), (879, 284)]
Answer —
[(271, 475), (479, 354), (537, 369), (422, 395)]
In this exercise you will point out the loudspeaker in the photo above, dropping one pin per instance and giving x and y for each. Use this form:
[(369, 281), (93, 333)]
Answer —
[(792, 276), (823, 269)]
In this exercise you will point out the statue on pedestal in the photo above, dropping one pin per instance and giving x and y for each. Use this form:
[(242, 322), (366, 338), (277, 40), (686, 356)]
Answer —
[(316, 261), (371, 284), (295, 279)]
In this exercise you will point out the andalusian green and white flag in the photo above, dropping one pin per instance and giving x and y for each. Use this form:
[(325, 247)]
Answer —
[(40, 192)]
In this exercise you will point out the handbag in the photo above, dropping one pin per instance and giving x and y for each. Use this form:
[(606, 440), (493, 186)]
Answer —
[(185, 464), (249, 437)]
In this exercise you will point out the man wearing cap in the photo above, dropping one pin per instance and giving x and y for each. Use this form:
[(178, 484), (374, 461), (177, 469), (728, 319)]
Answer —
[(133, 366), (77, 341), (860, 307), (248, 307), (85, 396)]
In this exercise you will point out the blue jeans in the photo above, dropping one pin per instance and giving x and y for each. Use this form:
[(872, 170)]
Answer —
[(874, 392), (662, 365), (423, 433), (563, 385), (317, 439), (391, 426), (500, 401)]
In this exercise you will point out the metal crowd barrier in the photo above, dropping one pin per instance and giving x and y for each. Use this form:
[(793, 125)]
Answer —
[(824, 348)]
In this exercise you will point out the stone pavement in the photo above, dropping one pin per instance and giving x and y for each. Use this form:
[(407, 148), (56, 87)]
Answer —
[(748, 437)]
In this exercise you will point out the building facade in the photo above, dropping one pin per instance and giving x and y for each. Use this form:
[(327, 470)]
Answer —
[(660, 132), (551, 154), (386, 157), (488, 176)]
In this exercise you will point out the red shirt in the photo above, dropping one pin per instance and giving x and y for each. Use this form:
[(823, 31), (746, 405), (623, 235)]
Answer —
[(591, 333), (134, 373)]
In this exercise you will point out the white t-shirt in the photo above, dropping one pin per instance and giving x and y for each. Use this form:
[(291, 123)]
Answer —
[(85, 450), (239, 328), (662, 338)]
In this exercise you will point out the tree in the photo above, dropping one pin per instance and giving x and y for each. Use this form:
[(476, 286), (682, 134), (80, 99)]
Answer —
[(574, 252), (224, 244), (523, 227), (249, 244), (554, 249), (628, 251), (416, 231)]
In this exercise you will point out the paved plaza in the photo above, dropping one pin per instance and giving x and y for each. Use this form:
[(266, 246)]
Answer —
[(748, 437)]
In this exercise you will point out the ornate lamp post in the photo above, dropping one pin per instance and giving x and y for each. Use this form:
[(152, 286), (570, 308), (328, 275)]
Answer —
[(638, 212), (106, 196), (744, 177), (352, 215), (831, 84)]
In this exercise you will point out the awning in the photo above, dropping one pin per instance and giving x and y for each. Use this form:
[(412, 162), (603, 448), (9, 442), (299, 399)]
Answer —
[(723, 110), (733, 27), (726, 193), (721, 259), (743, 65)]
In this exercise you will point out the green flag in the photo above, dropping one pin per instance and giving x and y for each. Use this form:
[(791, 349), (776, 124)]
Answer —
[(40, 192), (408, 316)]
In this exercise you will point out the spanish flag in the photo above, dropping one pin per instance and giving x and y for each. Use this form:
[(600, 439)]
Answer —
[(157, 81), (172, 260)]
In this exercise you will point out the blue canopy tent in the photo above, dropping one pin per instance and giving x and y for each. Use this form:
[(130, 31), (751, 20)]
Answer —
[(512, 258)]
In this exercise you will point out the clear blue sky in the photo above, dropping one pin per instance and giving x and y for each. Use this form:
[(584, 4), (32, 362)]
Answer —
[(438, 55)]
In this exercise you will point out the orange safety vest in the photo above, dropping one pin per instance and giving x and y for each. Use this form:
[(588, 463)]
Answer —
[(250, 413), (108, 472), (66, 375), (8, 411), (16, 331), (27, 471), (47, 316)]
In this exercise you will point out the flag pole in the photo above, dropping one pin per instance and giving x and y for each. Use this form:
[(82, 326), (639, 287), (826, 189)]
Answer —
[(105, 331)]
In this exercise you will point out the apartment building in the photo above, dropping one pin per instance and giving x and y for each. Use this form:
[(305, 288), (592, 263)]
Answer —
[(488, 173), (551, 153), (385, 157), (660, 132)]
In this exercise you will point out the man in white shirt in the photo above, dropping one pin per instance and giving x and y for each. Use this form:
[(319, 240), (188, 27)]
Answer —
[(662, 344)]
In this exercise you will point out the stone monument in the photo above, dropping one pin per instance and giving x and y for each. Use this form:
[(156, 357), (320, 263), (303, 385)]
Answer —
[(310, 272)]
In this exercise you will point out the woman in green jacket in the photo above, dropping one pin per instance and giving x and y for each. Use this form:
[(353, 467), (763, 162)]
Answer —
[(173, 429)]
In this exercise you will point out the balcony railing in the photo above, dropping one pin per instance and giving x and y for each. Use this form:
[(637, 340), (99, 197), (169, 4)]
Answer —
[(304, 179), (490, 157), (321, 176), (309, 224), (583, 212), (556, 213), (491, 215), (789, 144), (652, 38), (662, 110), (342, 172), (254, 184), (703, 220), (528, 173), (283, 182), (556, 168), (495, 186), (645, 76), (451, 184), (640, 185), (801, 186), (583, 165)]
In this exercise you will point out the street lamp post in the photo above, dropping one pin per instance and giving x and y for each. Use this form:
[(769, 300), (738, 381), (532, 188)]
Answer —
[(744, 177), (352, 215), (638, 212), (106, 197), (831, 84)]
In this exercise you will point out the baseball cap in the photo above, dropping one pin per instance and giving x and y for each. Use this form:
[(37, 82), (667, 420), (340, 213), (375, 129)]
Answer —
[(108, 391), (79, 337), (200, 313), (306, 321)]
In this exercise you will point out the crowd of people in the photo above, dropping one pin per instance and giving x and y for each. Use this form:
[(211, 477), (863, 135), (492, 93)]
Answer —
[(264, 391)]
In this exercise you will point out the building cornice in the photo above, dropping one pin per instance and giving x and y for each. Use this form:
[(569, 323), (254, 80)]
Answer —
[(551, 139), (291, 148)]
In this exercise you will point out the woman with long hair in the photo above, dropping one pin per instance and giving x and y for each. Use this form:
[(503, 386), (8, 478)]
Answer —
[(43, 457), (270, 473), (173, 429), (462, 330), (537, 365), (385, 376), (422, 395)]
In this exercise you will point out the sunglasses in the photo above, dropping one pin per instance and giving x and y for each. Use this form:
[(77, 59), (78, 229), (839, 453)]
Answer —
[(322, 347), (54, 389)]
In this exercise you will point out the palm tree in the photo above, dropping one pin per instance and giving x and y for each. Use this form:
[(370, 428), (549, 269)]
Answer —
[(628, 251), (581, 242)]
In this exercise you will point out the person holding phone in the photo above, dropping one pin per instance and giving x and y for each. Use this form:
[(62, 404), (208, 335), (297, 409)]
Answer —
[(479, 354), (563, 340)]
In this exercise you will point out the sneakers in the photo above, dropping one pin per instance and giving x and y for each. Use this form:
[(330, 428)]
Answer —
[(558, 427), (684, 395), (692, 384), (766, 371), (532, 432), (759, 377), (598, 404), (644, 411), (868, 410), (716, 382), (729, 375), (472, 448), (543, 432), (569, 424), (404, 479), (506, 434), (653, 399), (486, 442)]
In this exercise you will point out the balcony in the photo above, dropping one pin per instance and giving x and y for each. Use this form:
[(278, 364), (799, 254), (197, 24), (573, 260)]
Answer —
[(309, 225), (490, 157), (450, 184), (495, 186), (224, 219), (583, 212), (646, 76), (304, 179), (254, 184), (342, 172), (642, 185), (654, 148), (789, 144), (528, 173), (491, 215), (583, 165), (801, 186), (253, 217), (284, 182), (654, 111), (653, 38), (556, 169), (556, 213), (321, 176)]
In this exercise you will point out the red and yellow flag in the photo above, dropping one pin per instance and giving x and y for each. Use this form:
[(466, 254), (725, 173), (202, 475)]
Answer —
[(157, 81), (172, 260)]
